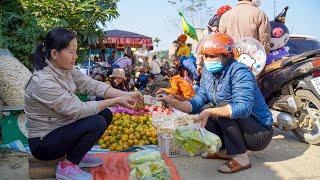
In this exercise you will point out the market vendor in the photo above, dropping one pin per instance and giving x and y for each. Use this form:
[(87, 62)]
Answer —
[(241, 117), (118, 79), (59, 124), (179, 87)]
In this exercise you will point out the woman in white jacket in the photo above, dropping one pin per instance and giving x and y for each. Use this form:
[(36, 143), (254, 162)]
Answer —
[(59, 123)]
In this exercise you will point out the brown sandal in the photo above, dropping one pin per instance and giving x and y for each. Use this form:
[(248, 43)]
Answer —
[(215, 156), (234, 166)]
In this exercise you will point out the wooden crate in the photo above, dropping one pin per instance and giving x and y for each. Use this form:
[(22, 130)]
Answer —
[(42, 169)]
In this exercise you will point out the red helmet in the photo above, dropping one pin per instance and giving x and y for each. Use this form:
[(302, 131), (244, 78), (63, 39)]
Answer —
[(183, 38), (215, 44), (223, 9)]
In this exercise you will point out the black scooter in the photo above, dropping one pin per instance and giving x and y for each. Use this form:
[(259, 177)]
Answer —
[(291, 87)]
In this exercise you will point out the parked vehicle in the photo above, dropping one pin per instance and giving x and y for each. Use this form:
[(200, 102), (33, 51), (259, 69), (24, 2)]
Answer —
[(291, 87), (299, 44)]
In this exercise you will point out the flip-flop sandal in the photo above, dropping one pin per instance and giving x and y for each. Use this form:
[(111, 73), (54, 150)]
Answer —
[(214, 156), (234, 166)]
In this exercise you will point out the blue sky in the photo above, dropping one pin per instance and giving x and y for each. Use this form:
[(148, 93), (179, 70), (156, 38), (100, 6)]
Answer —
[(157, 18)]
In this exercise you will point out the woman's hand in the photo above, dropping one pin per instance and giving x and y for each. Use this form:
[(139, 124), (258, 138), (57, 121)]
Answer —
[(126, 102), (183, 106), (169, 99), (135, 95), (203, 117)]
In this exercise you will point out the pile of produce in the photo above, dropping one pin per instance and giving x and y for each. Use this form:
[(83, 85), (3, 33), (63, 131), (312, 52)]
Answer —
[(13, 78), (129, 127), (167, 123), (193, 140), (148, 164)]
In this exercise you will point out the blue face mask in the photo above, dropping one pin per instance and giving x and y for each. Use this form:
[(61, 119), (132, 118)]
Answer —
[(214, 66)]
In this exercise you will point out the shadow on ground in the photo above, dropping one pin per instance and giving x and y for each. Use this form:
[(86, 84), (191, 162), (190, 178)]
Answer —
[(282, 159)]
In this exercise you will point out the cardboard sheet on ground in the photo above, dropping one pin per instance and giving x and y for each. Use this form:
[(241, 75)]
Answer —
[(116, 167)]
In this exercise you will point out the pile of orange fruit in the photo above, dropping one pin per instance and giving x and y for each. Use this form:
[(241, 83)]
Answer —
[(128, 130)]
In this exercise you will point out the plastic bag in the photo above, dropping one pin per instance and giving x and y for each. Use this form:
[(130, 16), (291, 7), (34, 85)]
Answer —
[(144, 156), (212, 141), (116, 166), (195, 139), (156, 170)]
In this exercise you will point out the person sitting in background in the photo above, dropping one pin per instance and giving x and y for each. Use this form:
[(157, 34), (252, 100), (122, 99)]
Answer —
[(142, 80), (179, 88), (130, 80), (155, 83), (99, 77), (165, 64), (117, 79)]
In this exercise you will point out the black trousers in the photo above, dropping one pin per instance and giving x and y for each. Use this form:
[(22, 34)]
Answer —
[(73, 140), (240, 135)]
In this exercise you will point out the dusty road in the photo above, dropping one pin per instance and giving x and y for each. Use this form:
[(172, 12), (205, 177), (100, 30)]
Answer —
[(285, 158)]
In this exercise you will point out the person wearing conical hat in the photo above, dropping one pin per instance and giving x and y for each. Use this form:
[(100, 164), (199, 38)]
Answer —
[(117, 79)]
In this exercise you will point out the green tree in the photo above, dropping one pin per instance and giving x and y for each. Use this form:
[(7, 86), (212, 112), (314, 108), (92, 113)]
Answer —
[(156, 41), (19, 31), (33, 18)]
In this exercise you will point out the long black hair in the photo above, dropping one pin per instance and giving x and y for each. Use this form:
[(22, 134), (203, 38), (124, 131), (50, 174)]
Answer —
[(58, 39)]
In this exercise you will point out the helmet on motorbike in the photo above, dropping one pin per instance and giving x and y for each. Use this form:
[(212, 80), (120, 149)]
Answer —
[(223, 9), (215, 44)]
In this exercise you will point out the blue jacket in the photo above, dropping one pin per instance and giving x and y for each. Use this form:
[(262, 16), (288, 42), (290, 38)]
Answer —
[(142, 81), (236, 86), (189, 64)]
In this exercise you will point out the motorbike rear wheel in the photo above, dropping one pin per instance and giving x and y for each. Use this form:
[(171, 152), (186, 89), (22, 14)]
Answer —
[(309, 100)]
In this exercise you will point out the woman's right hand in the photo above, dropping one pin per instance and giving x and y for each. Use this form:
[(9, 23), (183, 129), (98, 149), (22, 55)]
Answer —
[(126, 102), (169, 99)]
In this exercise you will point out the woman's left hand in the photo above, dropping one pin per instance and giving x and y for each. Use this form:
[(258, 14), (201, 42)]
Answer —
[(203, 117), (136, 95)]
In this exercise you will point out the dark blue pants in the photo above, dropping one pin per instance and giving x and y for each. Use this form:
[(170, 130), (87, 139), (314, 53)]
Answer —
[(73, 140), (240, 135)]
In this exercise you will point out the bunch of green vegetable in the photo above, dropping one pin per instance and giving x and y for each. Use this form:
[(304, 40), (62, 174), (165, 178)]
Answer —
[(148, 164), (195, 140)]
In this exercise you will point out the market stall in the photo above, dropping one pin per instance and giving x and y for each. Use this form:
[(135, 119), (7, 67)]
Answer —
[(119, 39)]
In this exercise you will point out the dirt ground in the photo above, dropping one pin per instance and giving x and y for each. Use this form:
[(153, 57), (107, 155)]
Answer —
[(284, 158)]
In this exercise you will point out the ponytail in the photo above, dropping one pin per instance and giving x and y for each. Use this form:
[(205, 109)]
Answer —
[(39, 57), (58, 39)]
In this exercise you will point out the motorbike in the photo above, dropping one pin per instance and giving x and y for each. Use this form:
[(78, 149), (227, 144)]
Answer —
[(291, 87)]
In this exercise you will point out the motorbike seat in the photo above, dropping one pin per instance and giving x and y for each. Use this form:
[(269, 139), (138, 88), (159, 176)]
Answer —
[(275, 65)]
